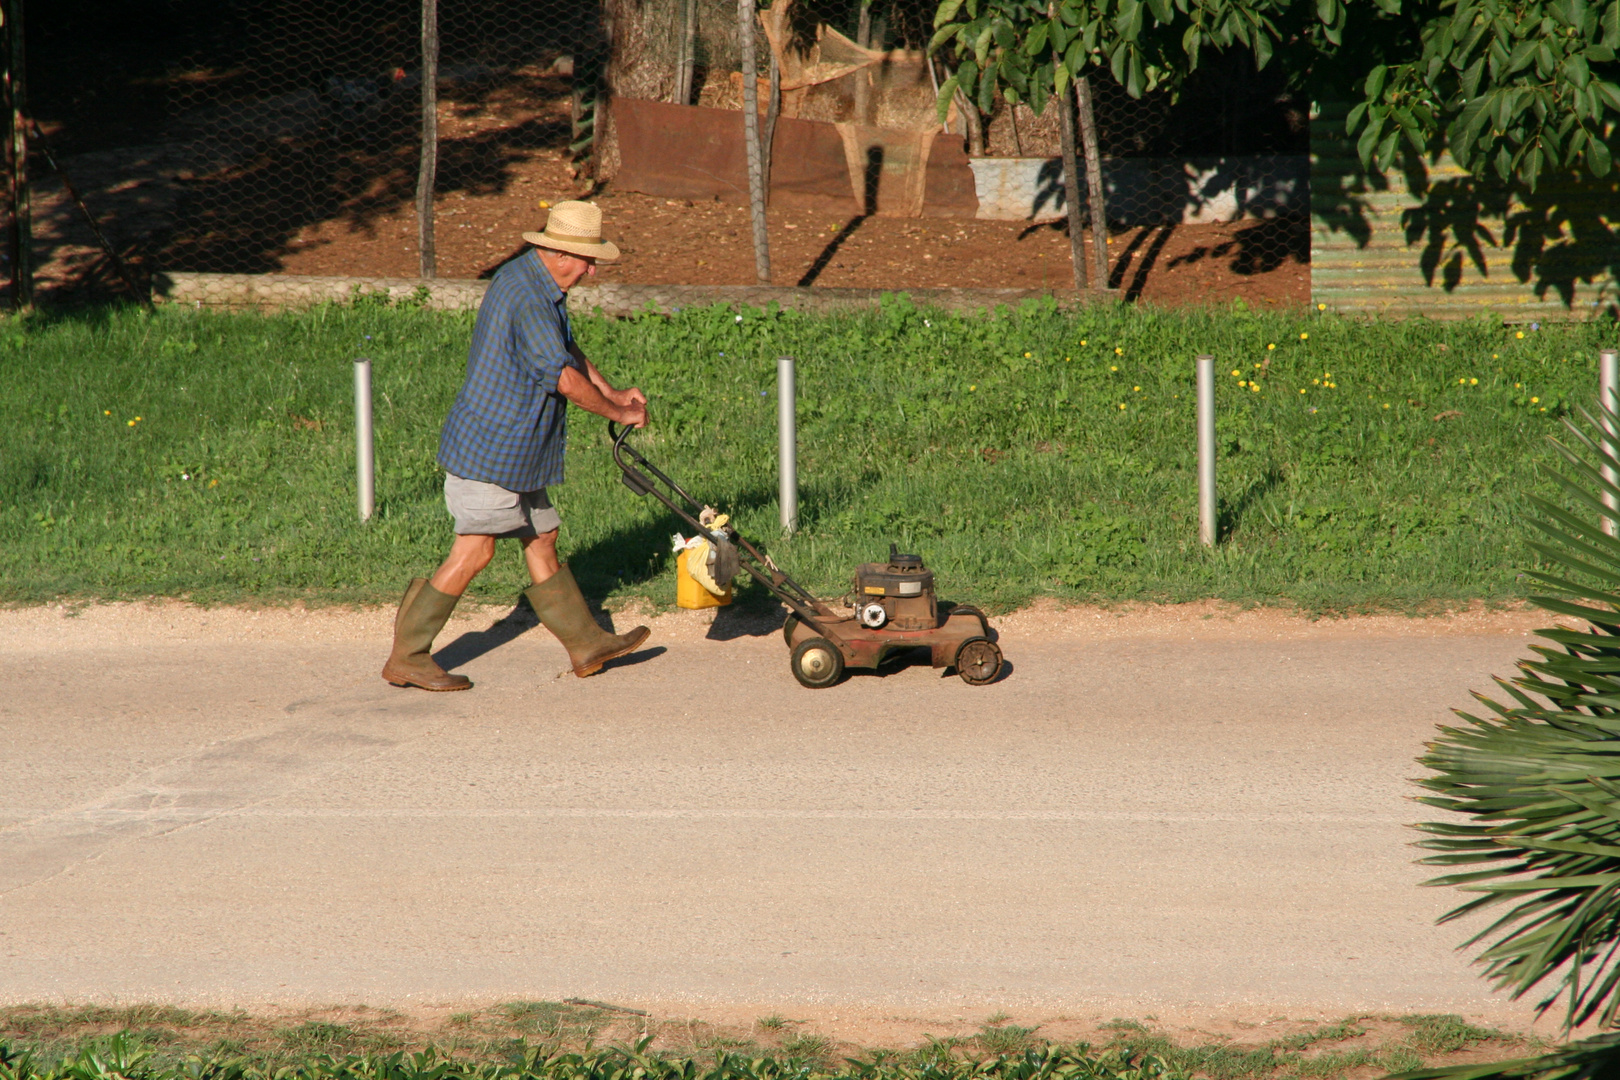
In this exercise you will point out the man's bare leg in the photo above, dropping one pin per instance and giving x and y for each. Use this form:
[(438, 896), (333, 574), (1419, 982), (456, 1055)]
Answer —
[(540, 552), (468, 556)]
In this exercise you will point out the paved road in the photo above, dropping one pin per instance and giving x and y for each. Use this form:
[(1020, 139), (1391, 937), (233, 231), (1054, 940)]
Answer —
[(232, 807)]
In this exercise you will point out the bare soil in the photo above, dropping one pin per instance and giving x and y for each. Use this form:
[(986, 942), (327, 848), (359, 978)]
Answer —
[(306, 207)]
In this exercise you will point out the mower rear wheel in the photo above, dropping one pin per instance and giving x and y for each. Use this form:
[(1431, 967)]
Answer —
[(817, 663), (978, 661)]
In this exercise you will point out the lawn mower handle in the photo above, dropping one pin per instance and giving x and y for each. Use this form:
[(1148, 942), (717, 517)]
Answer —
[(798, 599)]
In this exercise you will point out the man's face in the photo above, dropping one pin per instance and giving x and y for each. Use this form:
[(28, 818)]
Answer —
[(567, 268)]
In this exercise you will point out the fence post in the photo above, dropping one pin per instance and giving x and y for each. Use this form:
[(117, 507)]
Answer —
[(750, 113), (1206, 450), (1608, 386), (20, 241), (787, 447), (364, 459), (428, 172)]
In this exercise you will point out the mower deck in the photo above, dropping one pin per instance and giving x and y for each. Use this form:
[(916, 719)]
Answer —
[(866, 648)]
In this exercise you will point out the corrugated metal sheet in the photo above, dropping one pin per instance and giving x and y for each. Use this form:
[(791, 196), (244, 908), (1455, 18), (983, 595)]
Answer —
[(1377, 248)]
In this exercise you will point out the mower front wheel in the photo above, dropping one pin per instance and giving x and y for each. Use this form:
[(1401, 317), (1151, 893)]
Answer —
[(817, 663), (978, 661), (788, 626)]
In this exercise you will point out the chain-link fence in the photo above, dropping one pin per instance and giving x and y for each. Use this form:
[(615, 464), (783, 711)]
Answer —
[(288, 135)]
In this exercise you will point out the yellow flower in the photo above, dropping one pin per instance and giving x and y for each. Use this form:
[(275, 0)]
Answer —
[(1462, 382), (137, 419), (1318, 382), (1118, 351), (1518, 333), (1321, 307), (1518, 386), (1544, 408), (544, 205), (1386, 404), (131, 423), (1473, 382), (1302, 389), (1236, 373), (1534, 400), (1066, 359), (1273, 345), (1122, 405), (972, 388), (1333, 386), (1496, 356), (1082, 341), (1138, 389), (1255, 387), (106, 412), (1111, 368), (1026, 356), (1304, 337)]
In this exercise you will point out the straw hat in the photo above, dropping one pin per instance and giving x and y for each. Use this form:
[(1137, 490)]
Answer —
[(575, 227)]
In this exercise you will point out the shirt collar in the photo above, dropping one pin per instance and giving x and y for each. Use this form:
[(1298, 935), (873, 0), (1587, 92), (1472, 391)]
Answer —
[(541, 279)]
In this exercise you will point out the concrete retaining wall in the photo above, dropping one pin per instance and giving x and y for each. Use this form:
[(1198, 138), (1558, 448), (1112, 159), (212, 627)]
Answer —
[(1150, 191), (282, 291)]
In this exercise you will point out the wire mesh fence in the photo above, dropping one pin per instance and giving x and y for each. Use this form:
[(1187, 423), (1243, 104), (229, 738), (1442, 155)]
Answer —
[(407, 137)]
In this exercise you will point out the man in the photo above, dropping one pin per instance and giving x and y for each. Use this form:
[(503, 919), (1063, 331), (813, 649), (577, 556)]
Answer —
[(502, 447)]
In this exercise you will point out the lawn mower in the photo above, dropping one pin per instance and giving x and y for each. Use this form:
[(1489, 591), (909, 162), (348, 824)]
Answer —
[(892, 608)]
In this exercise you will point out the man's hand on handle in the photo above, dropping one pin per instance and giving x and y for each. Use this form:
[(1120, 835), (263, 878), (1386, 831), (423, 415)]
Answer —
[(593, 395)]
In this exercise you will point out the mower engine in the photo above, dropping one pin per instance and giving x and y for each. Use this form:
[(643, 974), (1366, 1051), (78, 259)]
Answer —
[(898, 594)]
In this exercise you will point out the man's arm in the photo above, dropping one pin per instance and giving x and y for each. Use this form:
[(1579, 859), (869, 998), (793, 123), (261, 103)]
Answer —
[(619, 397), (584, 391)]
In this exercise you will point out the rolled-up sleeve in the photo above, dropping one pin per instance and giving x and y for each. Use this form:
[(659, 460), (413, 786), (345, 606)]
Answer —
[(540, 337)]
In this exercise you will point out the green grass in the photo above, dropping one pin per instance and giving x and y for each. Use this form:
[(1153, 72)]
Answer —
[(155, 1042), (995, 446)]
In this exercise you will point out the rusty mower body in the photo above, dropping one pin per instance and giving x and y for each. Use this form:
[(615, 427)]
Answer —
[(893, 608)]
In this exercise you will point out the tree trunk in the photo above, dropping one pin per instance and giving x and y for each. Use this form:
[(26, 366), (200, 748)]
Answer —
[(973, 122), (750, 113), (1071, 190), (863, 77), (688, 58), (21, 239), (1094, 180), (428, 171), (773, 109)]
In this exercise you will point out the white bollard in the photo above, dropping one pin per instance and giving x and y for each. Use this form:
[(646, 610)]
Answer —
[(1206, 450), (1608, 385), (365, 464), (787, 443)]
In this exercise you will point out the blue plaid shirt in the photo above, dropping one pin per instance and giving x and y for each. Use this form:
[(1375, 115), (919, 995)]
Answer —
[(509, 425)]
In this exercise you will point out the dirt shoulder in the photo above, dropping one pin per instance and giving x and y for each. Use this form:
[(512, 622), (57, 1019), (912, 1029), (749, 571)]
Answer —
[(70, 625)]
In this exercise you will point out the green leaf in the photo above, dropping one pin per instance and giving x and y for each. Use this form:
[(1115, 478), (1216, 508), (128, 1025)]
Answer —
[(1036, 42), (1598, 158), (946, 12), (942, 103), (1353, 118), (942, 35), (1262, 50), (1608, 92), (1374, 86)]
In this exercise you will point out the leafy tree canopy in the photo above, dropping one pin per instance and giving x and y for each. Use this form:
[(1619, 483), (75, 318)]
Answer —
[(1514, 87)]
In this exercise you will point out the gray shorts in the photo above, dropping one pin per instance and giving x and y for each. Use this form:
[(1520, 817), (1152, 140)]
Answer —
[(483, 509)]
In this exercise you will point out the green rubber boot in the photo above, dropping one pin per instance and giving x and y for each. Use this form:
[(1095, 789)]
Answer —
[(422, 614), (561, 606)]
